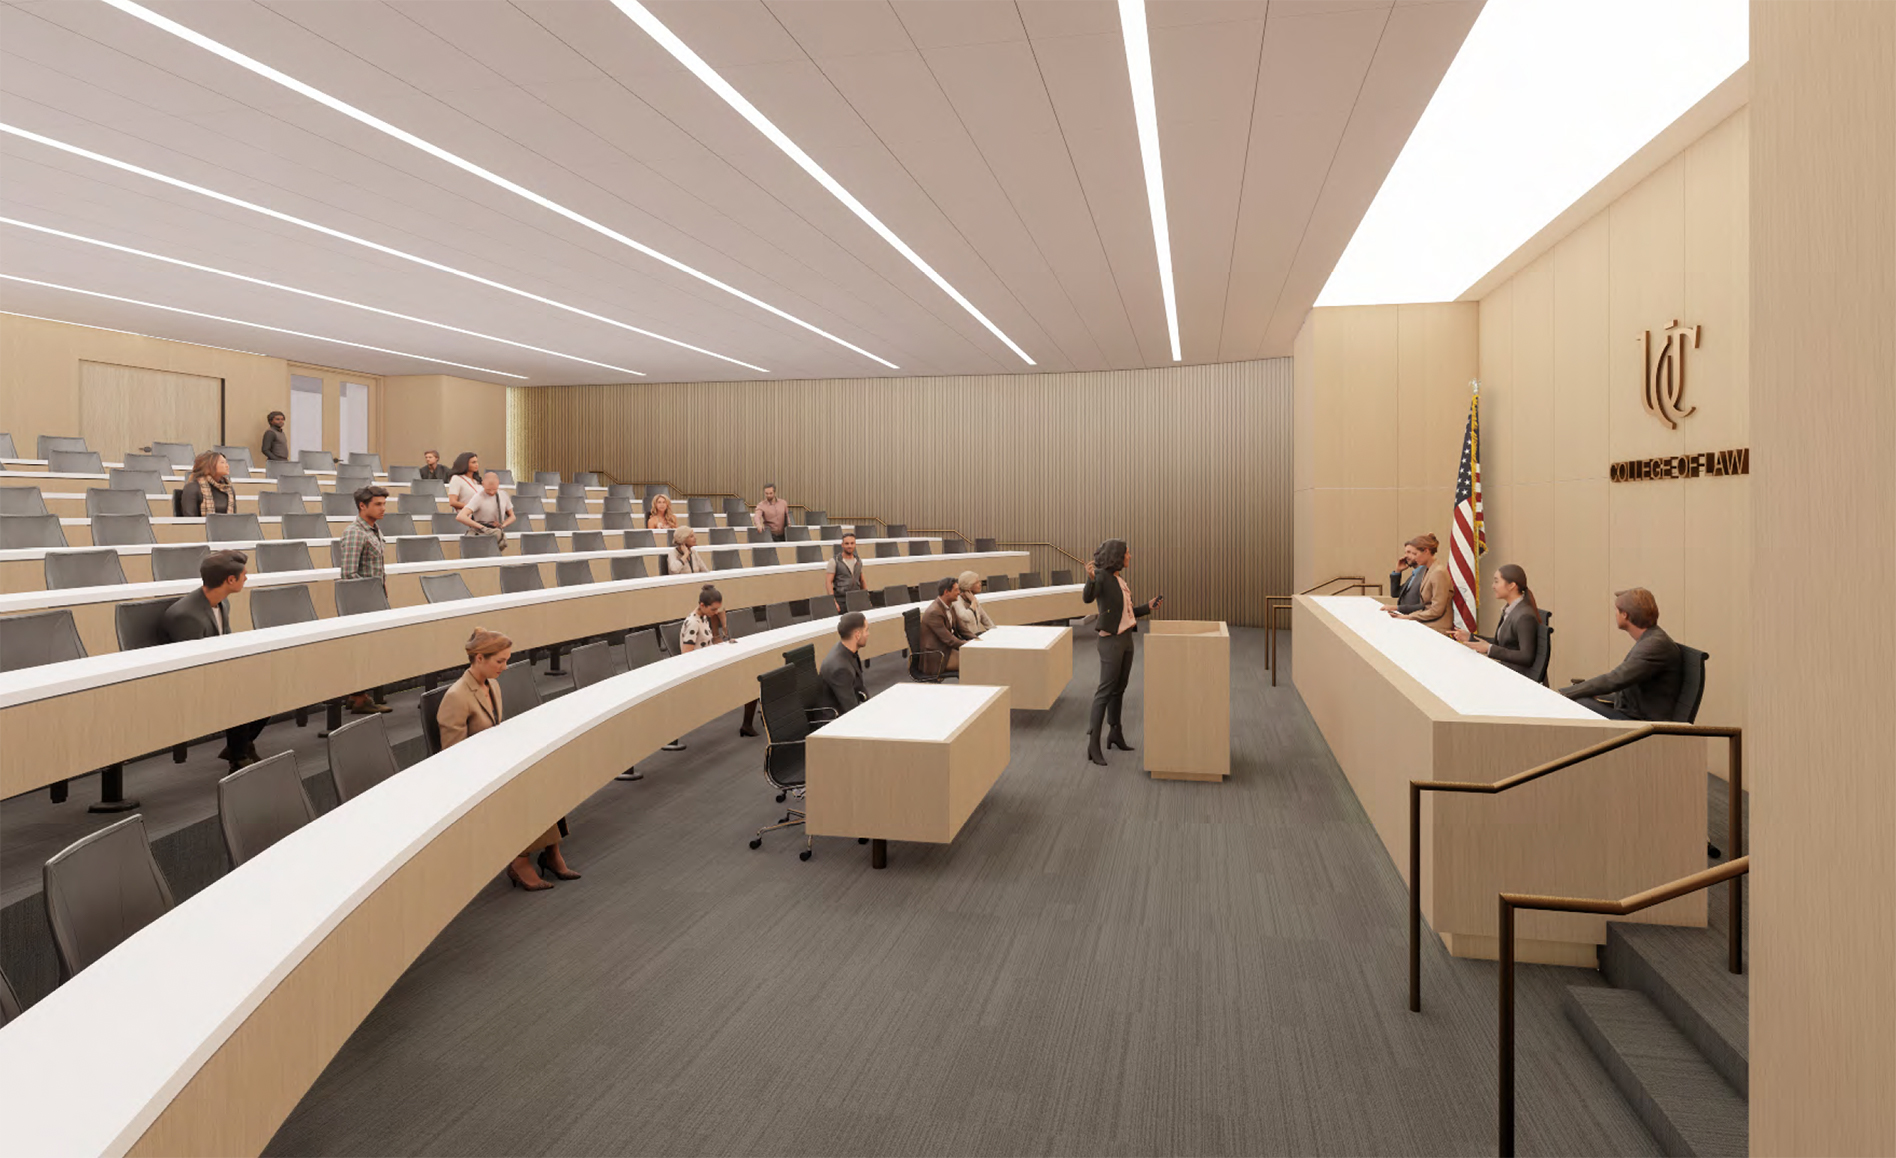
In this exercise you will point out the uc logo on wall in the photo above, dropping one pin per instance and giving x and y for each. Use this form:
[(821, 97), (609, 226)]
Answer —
[(1665, 374)]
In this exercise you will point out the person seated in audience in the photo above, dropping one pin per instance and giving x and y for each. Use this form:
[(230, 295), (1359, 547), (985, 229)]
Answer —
[(1438, 589), (684, 558), (207, 490), (1405, 582), (464, 482), (660, 518), (941, 629), (1645, 686), (968, 612), (205, 613), (360, 554), (276, 445), (842, 667), (489, 513), (433, 467), (1516, 640), (471, 705), (772, 515), (704, 627), (845, 571)]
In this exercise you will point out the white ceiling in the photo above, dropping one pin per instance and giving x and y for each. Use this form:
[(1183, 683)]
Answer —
[(996, 138)]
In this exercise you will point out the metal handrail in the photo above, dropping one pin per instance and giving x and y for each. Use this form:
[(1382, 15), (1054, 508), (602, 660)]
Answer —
[(1276, 603), (1734, 811), (1731, 871)]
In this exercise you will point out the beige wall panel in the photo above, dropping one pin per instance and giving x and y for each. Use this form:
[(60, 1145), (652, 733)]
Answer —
[(1305, 539), (1303, 423), (1355, 411), (1647, 227), (1715, 613), (122, 408), (1437, 353), (1646, 540), (1530, 537), (1417, 511), (1717, 199), (1582, 352), (1192, 466), (1823, 416), (1580, 558), (1500, 399), (1356, 532), (1532, 360)]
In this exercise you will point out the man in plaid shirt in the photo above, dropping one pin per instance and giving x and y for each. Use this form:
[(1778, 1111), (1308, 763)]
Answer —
[(359, 556)]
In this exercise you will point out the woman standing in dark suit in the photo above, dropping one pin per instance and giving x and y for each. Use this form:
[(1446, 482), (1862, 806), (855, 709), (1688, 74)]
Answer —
[(1118, 623)]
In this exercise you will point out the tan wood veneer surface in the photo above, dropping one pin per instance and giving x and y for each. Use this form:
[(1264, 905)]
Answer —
[(1187, 700)]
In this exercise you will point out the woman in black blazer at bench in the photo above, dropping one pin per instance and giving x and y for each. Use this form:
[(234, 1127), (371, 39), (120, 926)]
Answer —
[(1118, 623), (1516, 640)]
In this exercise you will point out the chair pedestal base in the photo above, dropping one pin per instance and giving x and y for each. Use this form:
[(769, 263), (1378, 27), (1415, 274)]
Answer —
[(878, 854), (112, 791)]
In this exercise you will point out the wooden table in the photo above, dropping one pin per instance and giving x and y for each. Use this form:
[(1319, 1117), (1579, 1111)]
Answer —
[(910, 764), (1034, 663), (1187, 700)]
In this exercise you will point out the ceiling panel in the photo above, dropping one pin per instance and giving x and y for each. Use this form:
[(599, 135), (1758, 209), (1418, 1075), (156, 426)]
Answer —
[(995, 138)]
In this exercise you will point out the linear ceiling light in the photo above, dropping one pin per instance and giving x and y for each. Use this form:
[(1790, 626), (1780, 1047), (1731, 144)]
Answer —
[(305, 293), (240, 203), (1145, 112), (462, 163), (1542, 102), (256, 325), (132, 333), (682, 52)]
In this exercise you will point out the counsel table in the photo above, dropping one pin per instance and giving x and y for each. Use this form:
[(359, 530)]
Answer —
[(1399, 702), (910, 764), (1035, 663)]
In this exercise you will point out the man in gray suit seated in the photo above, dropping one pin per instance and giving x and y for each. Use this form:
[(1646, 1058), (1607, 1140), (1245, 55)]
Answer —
[(205, 613), (1645, 686)]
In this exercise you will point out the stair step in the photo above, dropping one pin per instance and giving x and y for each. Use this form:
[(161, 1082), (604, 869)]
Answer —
[(1687, 1105), (1683, 971)]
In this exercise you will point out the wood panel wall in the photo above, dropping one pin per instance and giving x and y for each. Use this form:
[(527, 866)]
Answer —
[(1191, 466), (1821, 729), (122, 408)]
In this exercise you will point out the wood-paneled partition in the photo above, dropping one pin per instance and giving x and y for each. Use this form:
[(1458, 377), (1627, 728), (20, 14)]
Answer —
[(1191, 466)]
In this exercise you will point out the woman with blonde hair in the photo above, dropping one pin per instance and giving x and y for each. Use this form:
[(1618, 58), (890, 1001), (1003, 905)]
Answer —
[(208, 491), (472, 705), (968, 611), (661, 518)]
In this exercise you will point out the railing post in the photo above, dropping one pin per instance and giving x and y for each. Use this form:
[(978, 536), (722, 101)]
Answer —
[(1504, 1144), (1735, 843), (1415, 897)]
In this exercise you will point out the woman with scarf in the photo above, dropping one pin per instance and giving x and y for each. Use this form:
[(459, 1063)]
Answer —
[(208, 491)]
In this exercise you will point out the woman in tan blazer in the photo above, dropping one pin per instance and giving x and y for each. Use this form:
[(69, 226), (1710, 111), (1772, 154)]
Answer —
[(472, 705), (1438, 588)]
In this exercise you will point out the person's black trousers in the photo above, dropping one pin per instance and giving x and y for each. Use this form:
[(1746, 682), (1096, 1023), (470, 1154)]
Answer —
[(1115, 672), (241, 737)]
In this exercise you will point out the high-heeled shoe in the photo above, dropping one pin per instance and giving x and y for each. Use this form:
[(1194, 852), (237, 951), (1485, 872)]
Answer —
[(1118, 740), (547, 866), (521, 882), (1093, 753)]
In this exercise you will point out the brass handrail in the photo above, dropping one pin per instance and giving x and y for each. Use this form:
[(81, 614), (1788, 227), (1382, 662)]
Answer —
[(1276, 603), (1731, 871), (1734, 811)]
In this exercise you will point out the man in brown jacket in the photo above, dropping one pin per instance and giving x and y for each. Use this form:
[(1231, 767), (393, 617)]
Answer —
[(1438, 589), (940, 630)]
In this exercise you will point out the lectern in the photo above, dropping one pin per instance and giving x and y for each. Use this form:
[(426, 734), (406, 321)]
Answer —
[(1188, 700)]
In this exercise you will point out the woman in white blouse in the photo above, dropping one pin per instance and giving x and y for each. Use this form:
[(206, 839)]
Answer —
[(465, 482), (684, 558)]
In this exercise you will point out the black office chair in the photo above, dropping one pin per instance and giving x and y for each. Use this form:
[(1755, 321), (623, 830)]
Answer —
[(897, 530), (930, 667), (722, 536), (260, 805), (1543, 651), (725, 560), (429, 709), (829, 533), (1691, 684), (777, 615), (786, 729), (810, 684), (767, 556), (101, 889), (953, 546)]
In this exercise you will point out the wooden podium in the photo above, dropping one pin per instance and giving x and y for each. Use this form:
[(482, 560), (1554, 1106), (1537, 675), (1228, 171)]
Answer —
[(1187, 700)]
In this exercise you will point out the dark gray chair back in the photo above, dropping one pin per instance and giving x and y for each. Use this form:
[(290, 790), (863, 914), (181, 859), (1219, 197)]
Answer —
[(244, 528), (642, 648), (338, 505), (396, 525), (884, 550), (1543, 651), (407, 474), (815, 518), (668, 635), (796, 534), (506, 476), (144, 481), (360, 596), (22, 501), (589, 540), (141, 623), (412, 504), (428, 486), (139, 464), (359, 756), (180, 562), (479, 547), (622, 490), (107, 501), (280, 503), (629, 567), (723, 536), (275, 468), (443, 523), (999, 583), (984, 546), (39, 638), (573, 572), (767, 556), (1060, 579), (281, 606), (898, 530), (778, 615), (591, 662), (309, 486), (635, 539), (175, 453), (350, 476), (444, 588), (429, 708), (618, 521), (123, 531), (699, 504), (366, 458), (1691, 684), (617, 503), (284, 555), (101, 889), (588, 478), (525, 505), (74, 462), (23, 532), (832, 532), (895, 595), (518, 691), (652, 491), (571, 505), (521, 577), (574, 490), (920, 547), (559, 521), (48, 443), (316, 460), (531, 490), (953, 546), (539, 543), (260, 805), (547, 477), (724, 560), (858, 600), (1029, 579), (96, 568), (7, 450), (419, 549), (239, 459), (10, 1008), (806, 553), (307, 525)]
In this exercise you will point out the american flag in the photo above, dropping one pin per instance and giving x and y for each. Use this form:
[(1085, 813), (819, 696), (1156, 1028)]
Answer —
[(1470, 538)]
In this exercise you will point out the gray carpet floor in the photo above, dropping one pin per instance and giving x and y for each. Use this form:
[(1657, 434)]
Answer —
[(1100, 964)]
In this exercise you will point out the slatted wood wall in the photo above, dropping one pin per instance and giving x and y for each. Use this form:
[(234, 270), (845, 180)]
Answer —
[(1191, 466)]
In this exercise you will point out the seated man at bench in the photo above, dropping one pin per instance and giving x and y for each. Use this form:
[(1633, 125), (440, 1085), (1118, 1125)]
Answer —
[(205, 613), (1645, 686)]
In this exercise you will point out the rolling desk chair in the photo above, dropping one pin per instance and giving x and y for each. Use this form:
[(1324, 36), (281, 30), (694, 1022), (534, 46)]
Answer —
[(786, 729)]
